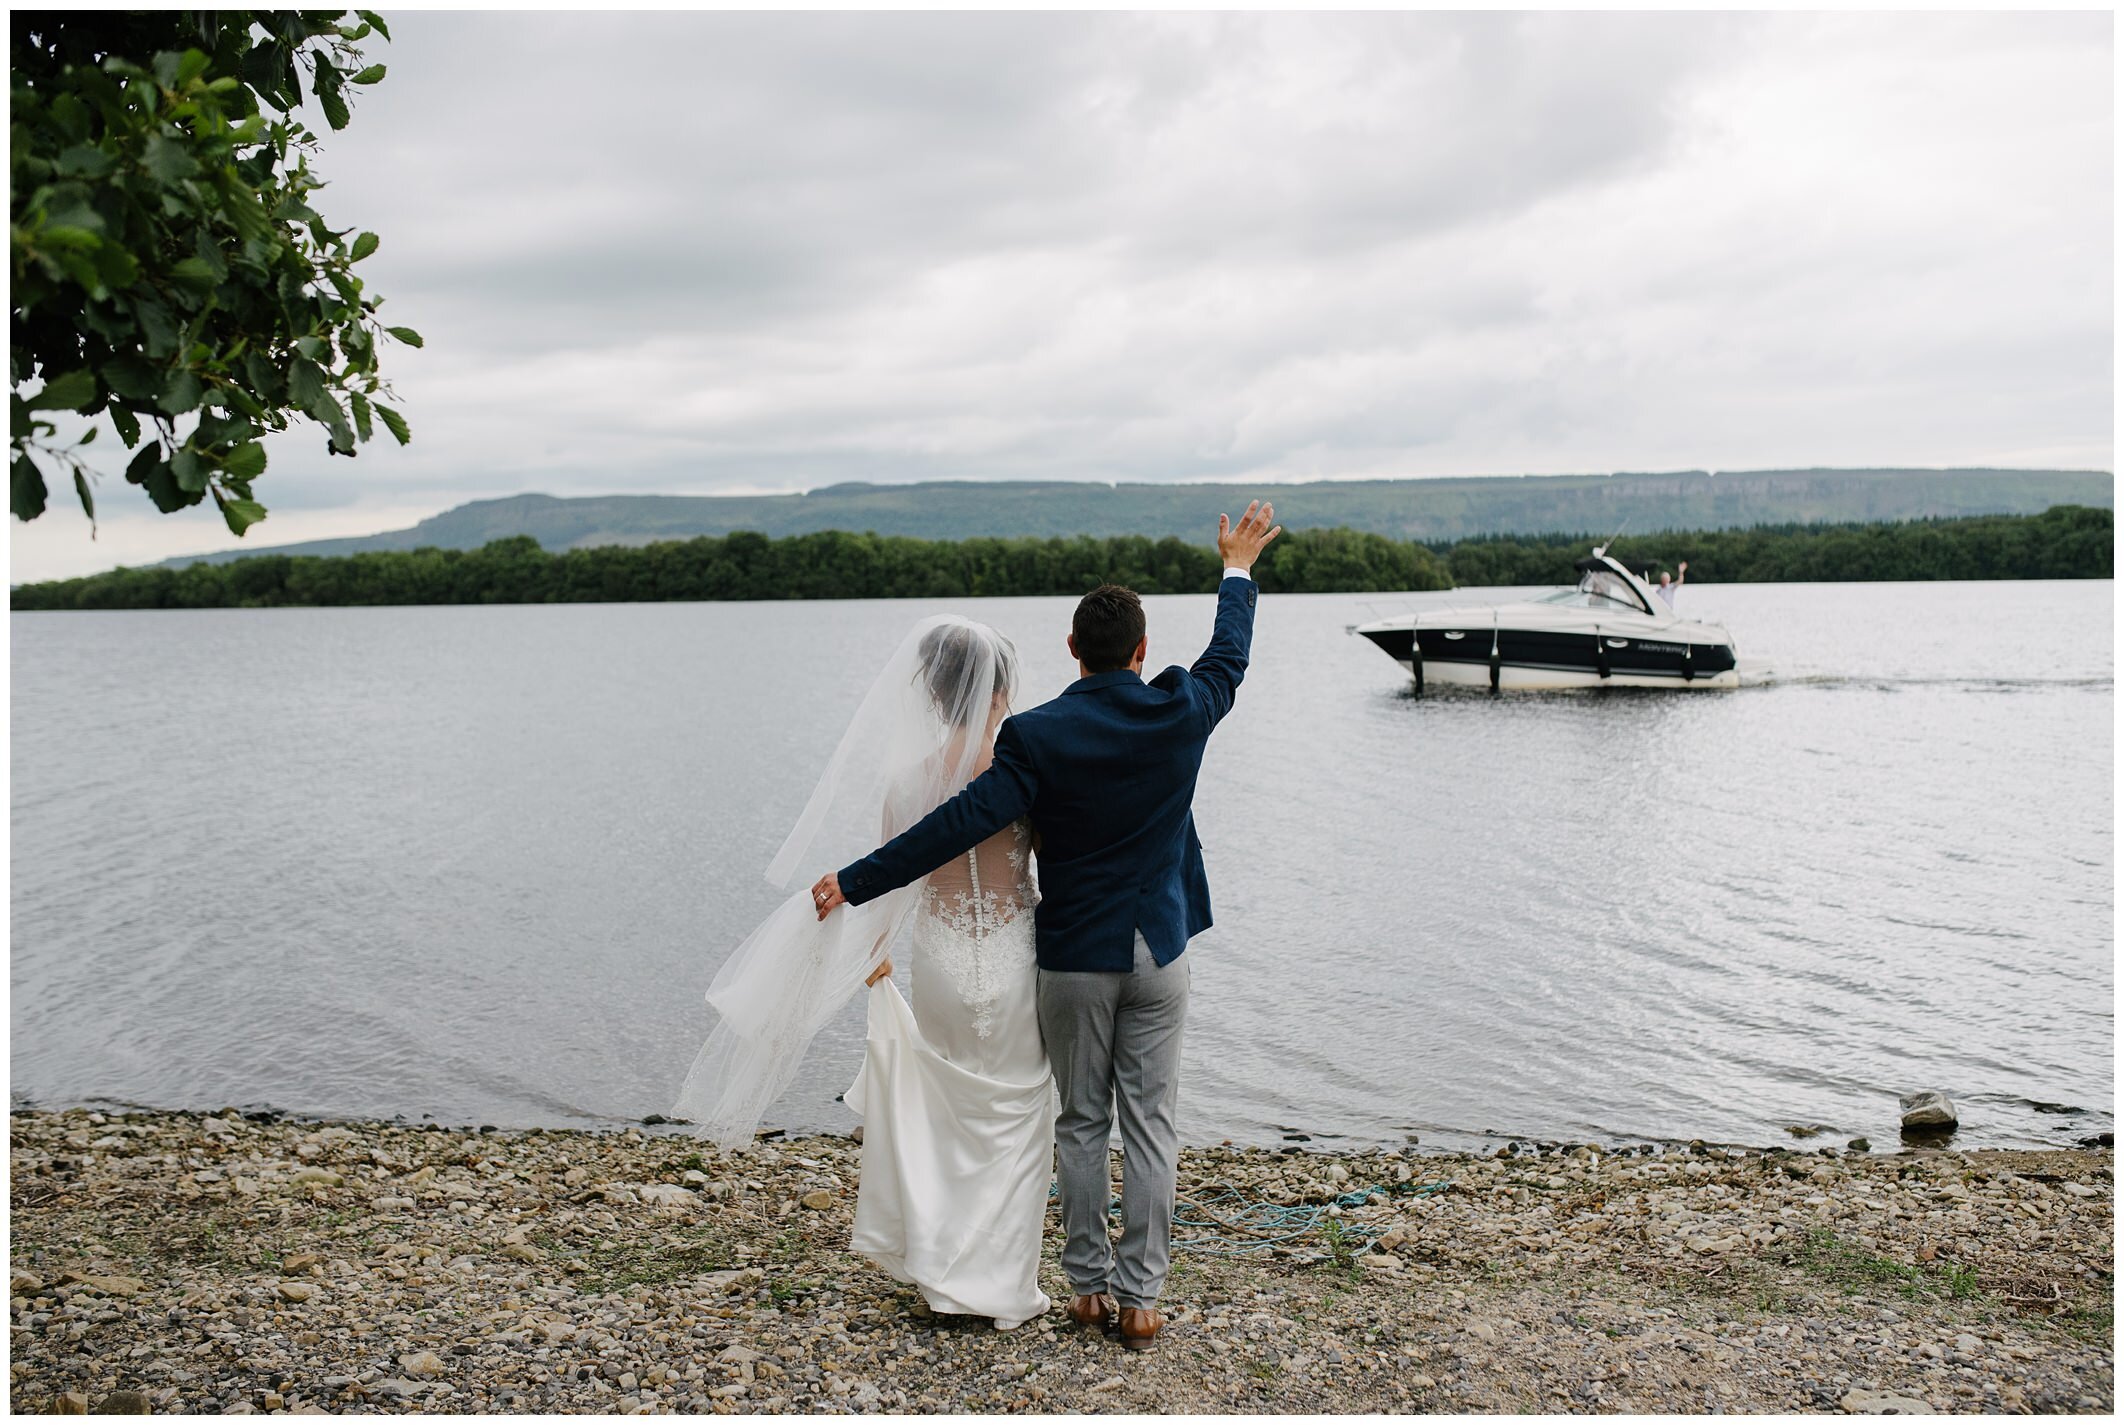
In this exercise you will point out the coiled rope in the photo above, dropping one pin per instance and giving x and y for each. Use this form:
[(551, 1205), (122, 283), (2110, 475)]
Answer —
[(1228, 1223)]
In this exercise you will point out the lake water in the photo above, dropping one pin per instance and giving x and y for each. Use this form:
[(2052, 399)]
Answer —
[(480, 863)]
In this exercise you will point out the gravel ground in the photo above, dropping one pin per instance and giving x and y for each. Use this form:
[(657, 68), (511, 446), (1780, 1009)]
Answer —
[(229, 1264)]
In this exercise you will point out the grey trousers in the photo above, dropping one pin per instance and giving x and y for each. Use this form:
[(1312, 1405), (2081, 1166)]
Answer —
[(1114, 1042)]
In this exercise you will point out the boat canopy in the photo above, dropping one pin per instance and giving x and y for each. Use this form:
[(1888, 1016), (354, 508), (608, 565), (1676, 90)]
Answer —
[(1605, 577), (1642, 568)]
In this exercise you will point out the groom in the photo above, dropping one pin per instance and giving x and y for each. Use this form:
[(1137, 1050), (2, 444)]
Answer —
[(1107, 773)]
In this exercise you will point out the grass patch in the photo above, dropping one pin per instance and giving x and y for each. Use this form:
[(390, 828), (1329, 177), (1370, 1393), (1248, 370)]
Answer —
[(617, 1263), (2094, 1324), (1825, 1256)]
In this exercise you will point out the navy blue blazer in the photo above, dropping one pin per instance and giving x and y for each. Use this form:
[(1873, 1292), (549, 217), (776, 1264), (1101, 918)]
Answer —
[(1107, 773)]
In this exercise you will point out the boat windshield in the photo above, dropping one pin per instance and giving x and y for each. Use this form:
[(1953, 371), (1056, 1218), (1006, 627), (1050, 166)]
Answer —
[(1599, 589)]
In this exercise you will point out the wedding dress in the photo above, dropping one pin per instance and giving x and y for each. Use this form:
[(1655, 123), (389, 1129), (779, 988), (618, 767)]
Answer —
[(955, 1089), (956, 1097)]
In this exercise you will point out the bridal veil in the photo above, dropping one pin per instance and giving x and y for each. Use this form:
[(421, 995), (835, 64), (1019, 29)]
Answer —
[(918, 734)]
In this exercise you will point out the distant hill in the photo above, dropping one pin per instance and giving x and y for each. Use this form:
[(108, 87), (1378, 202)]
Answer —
[(1442, 509)]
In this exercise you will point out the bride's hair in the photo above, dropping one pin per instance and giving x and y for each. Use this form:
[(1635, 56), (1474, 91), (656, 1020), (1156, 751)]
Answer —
[(953, 655)]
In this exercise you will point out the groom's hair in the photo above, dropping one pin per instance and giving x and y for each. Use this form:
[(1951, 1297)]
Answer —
[(1108, 626)]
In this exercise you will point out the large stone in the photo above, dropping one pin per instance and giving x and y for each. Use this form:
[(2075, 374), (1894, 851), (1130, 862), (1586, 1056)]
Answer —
[(1929, 1108), (670, 1197), (109, 1286), (1880, 1402), (421, 1363), (122, 1402)]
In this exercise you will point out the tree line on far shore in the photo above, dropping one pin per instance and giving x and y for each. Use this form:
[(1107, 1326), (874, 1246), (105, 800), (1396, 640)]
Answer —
[(2065, 542)]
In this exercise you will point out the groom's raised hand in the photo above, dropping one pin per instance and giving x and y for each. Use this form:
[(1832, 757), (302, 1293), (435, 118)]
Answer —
[(826, 893), (1241, 544)]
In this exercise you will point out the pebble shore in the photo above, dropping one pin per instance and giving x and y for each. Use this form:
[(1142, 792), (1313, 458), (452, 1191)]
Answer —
[(232, 1264)]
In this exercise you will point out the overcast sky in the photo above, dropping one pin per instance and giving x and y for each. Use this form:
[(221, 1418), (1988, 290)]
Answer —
[(709, 253)]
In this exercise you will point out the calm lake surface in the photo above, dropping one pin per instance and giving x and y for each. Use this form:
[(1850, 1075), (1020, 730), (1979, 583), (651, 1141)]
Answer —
[(480, 863)]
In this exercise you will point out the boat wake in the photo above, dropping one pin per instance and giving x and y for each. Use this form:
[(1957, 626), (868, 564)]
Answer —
[(1763, 673)]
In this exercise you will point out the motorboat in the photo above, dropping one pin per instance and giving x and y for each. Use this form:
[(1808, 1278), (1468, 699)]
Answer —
[(1610, 630)]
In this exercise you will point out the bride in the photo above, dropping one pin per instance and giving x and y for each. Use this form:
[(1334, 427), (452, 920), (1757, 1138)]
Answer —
[(955, 1090)]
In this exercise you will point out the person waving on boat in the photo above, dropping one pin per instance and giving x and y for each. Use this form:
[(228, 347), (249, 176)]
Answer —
[(1668, 583)]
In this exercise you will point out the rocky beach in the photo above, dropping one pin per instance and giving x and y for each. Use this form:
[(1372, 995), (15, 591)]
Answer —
[(255, 1264)]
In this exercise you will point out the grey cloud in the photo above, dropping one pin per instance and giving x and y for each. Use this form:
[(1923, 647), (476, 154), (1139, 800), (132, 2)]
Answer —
[(690, 252)]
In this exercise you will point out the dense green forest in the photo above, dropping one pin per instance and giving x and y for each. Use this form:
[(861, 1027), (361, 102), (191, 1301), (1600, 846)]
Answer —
[(1429, 509), (2064, 542), (2067, 542)]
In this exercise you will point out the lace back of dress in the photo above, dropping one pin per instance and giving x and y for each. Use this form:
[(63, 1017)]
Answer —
[(973, 905)]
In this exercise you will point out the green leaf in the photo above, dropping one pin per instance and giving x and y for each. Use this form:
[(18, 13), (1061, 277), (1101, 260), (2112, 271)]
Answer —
[(25, 494), (69, 392), (363, 426), (245, 462), (209, 255), (326, 86), (158, 328), (167, 161), (190, 67), (240, 514), (88, 501), (150, 455), (89, 437), (370, 17), (306, 382), (194, 276), (190, 470), (314, 347), (264, 379), (117, 267), (150, 471), (364, 245), (407, 335), (128, 425), (241, 206), (395, 423), (327, 413), (370, 75), (133, 378), (182, 393), (83, 161), (72, 116)]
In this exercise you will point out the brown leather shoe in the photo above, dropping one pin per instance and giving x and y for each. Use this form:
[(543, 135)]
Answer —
[(1140, 1326), (1094, 1312)]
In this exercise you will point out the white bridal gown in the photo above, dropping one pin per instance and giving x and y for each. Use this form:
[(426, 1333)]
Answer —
[(957, 1098)]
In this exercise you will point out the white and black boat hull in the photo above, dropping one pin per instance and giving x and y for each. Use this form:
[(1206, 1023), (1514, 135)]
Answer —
[(1532, 660)]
